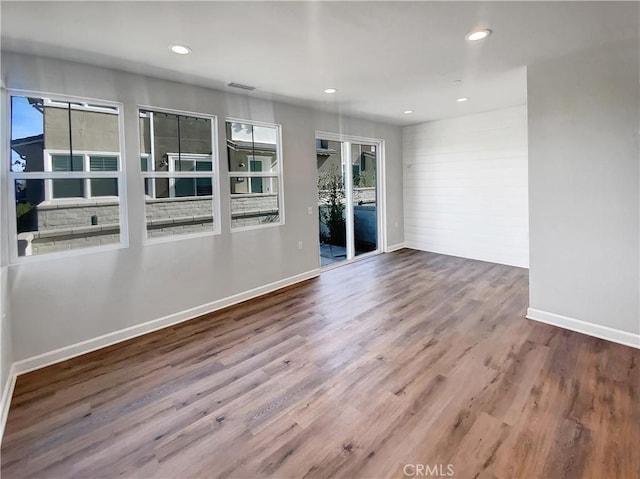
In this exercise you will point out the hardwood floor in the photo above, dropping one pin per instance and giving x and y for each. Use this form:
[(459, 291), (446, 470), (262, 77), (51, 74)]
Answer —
[(396, 366)]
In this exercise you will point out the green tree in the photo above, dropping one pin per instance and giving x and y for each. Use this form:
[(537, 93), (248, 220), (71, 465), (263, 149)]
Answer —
[(331, 195)]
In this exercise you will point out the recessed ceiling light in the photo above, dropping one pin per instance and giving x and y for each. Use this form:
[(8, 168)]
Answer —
[(460, 100), (407, 112), (330, 90), (478, 35), (180, 49)]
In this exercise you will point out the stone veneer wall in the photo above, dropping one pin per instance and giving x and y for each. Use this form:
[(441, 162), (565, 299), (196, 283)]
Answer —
[(60, 215), (254, 209), (364, 195), (39, 242), (64, 225), (176, 216)]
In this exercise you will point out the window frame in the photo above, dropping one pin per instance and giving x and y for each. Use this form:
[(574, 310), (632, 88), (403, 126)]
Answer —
[(93, 104), (86, 168), (195, 157), (279, 175), (171, 175), (381, 192)]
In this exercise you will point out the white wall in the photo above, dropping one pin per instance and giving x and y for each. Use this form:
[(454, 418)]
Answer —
[(6, 350), (61, 302), (465, 184), (584, 191)]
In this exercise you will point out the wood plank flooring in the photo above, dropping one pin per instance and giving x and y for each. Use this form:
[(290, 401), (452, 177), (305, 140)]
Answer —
[(396, 366)]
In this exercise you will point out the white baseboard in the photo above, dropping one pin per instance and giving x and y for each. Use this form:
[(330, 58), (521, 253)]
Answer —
[(596, 330), (68, 352), (5, 401), (395, 247)]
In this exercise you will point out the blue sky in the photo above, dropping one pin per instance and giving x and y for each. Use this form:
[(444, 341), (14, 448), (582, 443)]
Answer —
[(25, 121)]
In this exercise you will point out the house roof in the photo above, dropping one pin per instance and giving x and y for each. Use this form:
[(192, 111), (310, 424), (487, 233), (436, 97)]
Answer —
[(239, 145), (19, 144), (325, 151)]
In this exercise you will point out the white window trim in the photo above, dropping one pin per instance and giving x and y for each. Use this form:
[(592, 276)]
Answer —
[(11, 177), (86, 157), (279, 174), (147, 111), (150, 167)]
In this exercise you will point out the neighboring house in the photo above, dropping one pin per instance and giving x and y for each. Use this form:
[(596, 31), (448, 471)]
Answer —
[(176, 143), (30, 148), (254, 199), (60, 214), (56, 214)]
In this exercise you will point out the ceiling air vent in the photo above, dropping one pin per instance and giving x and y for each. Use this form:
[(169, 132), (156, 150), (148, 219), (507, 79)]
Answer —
[(241, 86)]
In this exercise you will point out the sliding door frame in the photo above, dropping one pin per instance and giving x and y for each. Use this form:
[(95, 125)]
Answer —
[(381, 217)]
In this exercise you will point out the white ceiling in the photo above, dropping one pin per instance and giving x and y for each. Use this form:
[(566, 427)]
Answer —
[(383, 57)]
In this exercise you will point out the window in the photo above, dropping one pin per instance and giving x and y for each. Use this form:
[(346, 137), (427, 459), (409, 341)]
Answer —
[(81, 188), (65, 174), (255, 174), (181, 187), (178, 167), (322, 144)]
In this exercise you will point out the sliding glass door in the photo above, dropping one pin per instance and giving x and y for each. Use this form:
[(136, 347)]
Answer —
[(364, 198), (347, 199)]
